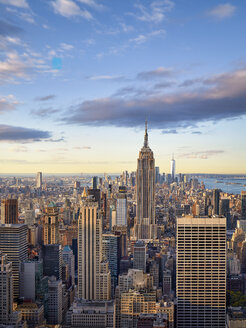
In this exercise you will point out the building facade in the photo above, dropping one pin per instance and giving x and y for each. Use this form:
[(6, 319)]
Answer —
[(201, 272)]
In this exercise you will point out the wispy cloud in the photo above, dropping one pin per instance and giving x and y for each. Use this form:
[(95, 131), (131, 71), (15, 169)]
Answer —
[(45, 98), (20, 134), (45, 112), (8, 103), (155, 12), (172, 131), (142, 38), (105, 77), (82, 148), (15, 3), (66, 46), (69, 8), (92, 3), (9, 29), (222, 11), (13, 67), (160, 72), (205, 154)]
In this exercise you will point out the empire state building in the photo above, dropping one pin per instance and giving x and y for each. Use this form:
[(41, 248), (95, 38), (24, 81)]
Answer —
[(145, 224)]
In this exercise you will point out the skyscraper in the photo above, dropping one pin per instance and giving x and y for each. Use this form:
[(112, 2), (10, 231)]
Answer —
[(52, 257), (55, 301), (89, 255), (243, 204), (145, 224), (51, 225), (13, 242), (139, 256), (91, 269), (94, 182), (201, 272), (216, 201), (9, 211), (6, 289), (173, 169), (39, 180), (111, 252), (121, 207)]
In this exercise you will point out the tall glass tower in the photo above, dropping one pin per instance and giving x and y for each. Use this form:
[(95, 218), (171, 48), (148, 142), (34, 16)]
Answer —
[(173, 168), (145, 224)]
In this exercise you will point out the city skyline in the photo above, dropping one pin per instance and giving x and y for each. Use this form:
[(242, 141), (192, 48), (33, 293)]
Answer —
[(79, 77)]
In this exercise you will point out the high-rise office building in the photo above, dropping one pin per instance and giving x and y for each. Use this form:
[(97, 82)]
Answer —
[(33, 283), (94, 182), (243, 204), (157, 174), (39, 180), (69, 259), (89, 252), (121, 207), (13, 242), (6, 289), (201, 272), (92, 271), (139, 256), (9, 211), (52, 260), (216, 201), (173, 169), (51, 225), (145, 224), (55, 301), (111, 252)]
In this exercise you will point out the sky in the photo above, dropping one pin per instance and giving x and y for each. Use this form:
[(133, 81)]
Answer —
[(78, 79)]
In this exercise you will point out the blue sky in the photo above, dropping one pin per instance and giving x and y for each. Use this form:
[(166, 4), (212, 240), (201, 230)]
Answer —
[(79, 77)]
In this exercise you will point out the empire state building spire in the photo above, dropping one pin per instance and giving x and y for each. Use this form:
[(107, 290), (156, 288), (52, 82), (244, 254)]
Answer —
[(146, 135)]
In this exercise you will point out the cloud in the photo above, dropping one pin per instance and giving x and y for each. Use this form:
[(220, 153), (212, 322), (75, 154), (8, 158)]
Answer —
[(164, 85), (91, 3), (172, 131), (20, 134), (196, 132), (19, 149), (69, 8), (45, 98), (16, 3), (66, 46), (201, 154), (160, 72), (155, 12), (84, 147), (13, 67), (8, 103), (9, 29), (224, 97), (55, 140), (142, 38), (191, 82), (45, 112), (27, 17), (222, 11), (105, 77)]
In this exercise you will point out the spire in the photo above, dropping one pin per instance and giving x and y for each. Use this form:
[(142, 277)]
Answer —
[(146, 135), (84, 194)]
